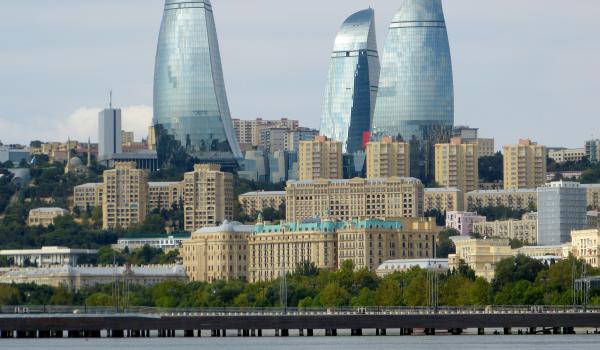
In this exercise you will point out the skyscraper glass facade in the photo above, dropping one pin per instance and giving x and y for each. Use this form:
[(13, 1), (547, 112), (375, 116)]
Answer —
[(190, 103), (352, 82), (562, 207), (415, 101)]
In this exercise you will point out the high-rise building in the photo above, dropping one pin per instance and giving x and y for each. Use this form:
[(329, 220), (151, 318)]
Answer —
[(125, 196), (394, 197), (352, 82), (485, 146), (320, 159), (207, 197), (415, 100), (524, 165), (388, 158), (562, 207), (248, 131), (457, 165), (190, 102), (109, 133)]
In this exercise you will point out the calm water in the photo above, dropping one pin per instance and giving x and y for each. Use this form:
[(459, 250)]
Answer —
[(465, 342)]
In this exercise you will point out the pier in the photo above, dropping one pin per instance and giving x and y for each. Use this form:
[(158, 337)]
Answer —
[(80, 322)]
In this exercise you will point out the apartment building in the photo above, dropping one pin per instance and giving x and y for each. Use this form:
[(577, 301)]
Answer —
[(524, 230), (388, 158), (456, 165), (88, 196), (320, 159), (125, 196), (444, 199), (355, 198), (207, 196), (524, 165), (516, 199), (253, 203)]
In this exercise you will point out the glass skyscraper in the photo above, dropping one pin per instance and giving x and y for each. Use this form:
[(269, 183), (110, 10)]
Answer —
[(352, 82), (190, 103), (415, 101)]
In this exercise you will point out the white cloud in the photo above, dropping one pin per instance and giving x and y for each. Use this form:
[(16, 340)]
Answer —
[(79, 125)]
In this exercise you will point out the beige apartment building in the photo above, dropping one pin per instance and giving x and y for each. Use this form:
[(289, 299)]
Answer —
[(45, 216), (369, 243), (207, 196), (162, 195), (515, 199), (485, 147), (444, 199), (481, 255), (253, 203), (456, 165), (88, 195), (567, 155), (524, 165), (218, 253), (388, 158), (585, 245), (125, 196), (389, 198), (524, 230), (320, 159)]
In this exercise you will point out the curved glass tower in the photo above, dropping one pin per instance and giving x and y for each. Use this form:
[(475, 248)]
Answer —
[(415, 101), (190, 103), (352, 82)]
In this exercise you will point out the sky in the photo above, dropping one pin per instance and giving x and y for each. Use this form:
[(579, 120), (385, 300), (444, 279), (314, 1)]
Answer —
[(521, 68)]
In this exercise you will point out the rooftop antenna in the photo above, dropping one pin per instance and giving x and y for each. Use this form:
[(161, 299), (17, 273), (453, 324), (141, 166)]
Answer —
[(110, 100)]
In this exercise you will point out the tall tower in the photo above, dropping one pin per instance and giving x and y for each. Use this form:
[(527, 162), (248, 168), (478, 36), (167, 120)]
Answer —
[(109, 133), (415, 100), (352, 82), (190, 103)]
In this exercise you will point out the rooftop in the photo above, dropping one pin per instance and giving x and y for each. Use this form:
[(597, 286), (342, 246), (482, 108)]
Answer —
[(263, 193)]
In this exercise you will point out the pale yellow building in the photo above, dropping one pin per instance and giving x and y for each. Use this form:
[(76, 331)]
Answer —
[(524, 230), (278, 249), (218, 253), (127, 137), (524, 165), (481, 255), (88, 196), (369, 243), (125, 196), (515, 199), (389, 198), (585, 245), (45, 216), (456, 165), (485, 147), (162, 195), (248, 132), (207, 196), (320, 159), (253, 203), (444, 199), (388, 158)]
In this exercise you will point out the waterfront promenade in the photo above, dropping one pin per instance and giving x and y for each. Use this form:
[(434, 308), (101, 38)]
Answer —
[(77, 322)]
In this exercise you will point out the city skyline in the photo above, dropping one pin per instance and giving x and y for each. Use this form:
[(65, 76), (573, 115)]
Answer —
[(501, 78)]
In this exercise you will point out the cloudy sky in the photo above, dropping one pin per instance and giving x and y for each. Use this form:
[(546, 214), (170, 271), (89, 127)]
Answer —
[(521, 68)]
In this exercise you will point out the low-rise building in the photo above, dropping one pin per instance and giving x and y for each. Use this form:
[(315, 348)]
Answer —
[(165, 242), (218, 253), (253, 203), (400, 265), (45, 256), (45, 216), (78, 277), (567, 155), (444, 199), (540, 251), (585, 245), (481, 255), (524, 230), (522, 199), (463, 221), (88, 196)]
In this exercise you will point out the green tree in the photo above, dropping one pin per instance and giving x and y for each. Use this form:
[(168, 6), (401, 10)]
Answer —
[(515, 269), (445, 246), (99, 299), (9, 295), (491, 168), (334, 295)]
